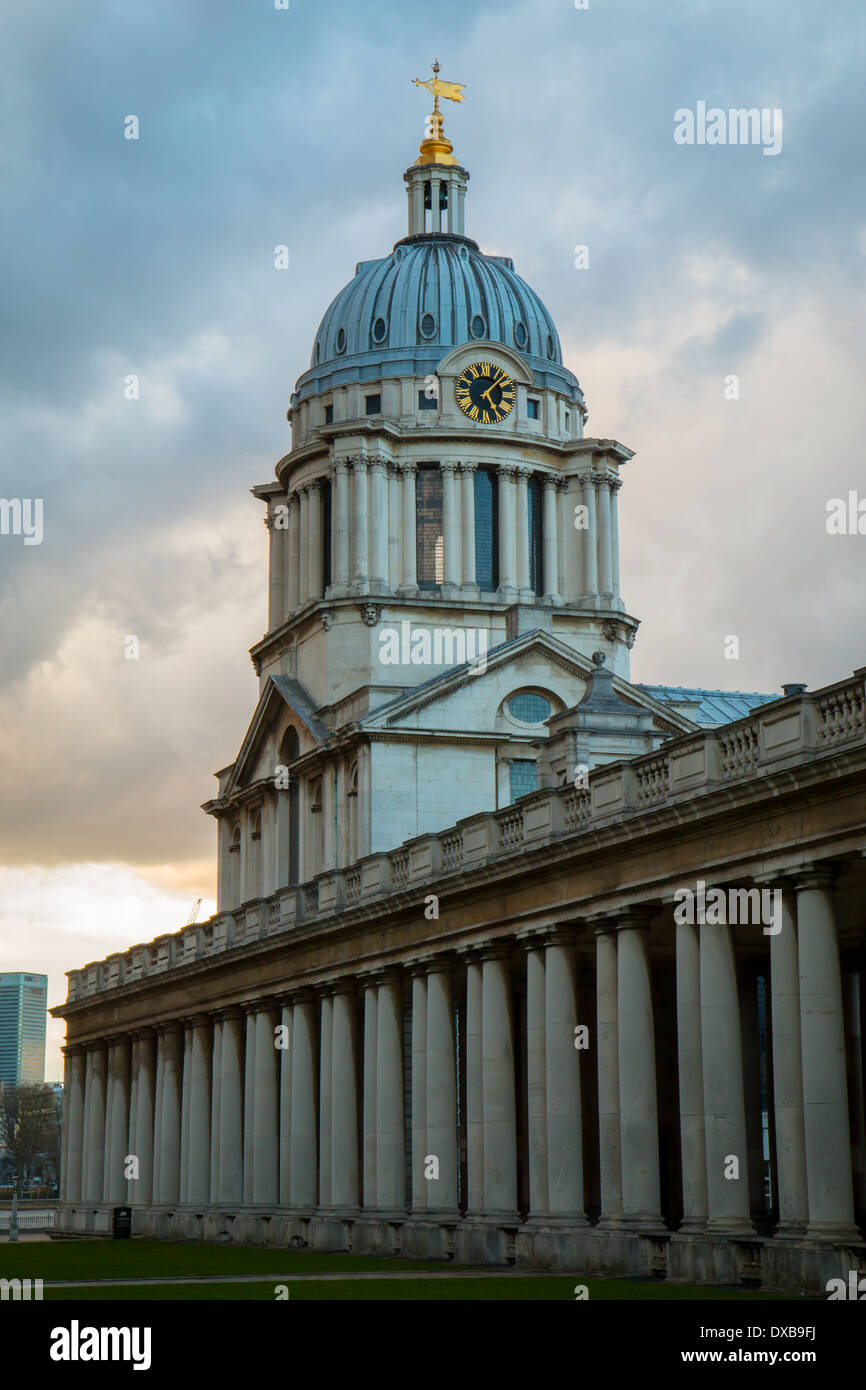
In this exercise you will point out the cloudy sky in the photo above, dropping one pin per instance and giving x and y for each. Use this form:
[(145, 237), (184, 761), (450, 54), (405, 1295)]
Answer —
[(154, 257)]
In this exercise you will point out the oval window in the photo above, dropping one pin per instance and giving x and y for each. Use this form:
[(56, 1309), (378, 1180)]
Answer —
[(551, 350), (380, 328), (520, 334), (529, 708), (341, 340), (478, 327), (428, 326)]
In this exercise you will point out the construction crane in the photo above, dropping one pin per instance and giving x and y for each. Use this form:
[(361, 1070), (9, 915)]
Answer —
[(194, 912)]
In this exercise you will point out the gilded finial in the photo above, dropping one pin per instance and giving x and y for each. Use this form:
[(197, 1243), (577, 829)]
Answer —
[(436, 148)]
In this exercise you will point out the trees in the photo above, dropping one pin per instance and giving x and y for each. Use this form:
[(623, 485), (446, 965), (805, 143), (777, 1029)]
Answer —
[(30, 1117)]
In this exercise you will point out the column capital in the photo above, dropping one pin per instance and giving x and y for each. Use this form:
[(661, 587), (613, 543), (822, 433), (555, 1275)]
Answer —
[(615, 484), (449, 466), (815, 876), (634, 918), (358, 461), (339, 466), (303, 995), (407, 468), (466, 467), (506, 470), (496, 950), (551, 481), (73, 1050), (173, 1026), (378, 461), (523, 473)]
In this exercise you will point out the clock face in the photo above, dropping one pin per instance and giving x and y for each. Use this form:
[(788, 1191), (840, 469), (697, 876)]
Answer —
[(485, 393)]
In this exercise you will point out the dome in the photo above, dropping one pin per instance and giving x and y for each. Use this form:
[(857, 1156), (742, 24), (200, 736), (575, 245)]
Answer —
[(402, 314)]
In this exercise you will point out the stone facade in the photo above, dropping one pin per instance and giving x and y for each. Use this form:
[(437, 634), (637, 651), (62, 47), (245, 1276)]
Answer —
[(435, 1016)]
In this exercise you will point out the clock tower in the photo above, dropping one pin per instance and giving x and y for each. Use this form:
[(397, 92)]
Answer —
[(441, 502)]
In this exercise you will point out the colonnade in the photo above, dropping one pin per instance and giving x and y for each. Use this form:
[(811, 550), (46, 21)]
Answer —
[(394, 1092), (373, 546)]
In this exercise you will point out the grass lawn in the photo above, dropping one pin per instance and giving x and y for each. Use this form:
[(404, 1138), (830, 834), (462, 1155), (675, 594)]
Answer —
[(57, 1261)]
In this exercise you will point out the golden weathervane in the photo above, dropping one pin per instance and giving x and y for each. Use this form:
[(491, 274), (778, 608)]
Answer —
[(436, 147)]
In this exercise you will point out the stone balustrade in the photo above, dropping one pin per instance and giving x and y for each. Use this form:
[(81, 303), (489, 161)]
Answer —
[(795, 729)]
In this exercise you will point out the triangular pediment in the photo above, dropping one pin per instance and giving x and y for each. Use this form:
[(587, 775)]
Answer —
[(535, 660), (279, 694)]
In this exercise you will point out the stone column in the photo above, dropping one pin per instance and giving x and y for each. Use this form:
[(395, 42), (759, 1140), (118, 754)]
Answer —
[(607, 1042), (231, 1165), (293, 587), (441, 1137), (197, 1139), (284, 1066), (360, 583), (825, 1084), (451, 562), (117, 1127), (724, 1101), (314, 549), (590, 558), (641, 1201), (184, 1113), (304, 1119), (216, 1089), (344, 1112), (435, 209), (370, 1118), (378, 471), (419, 1088), (409, 586), (474, 1088), (536, 1079), (140, 1190), (277, 568), (551, 538), (467, 524), (564, 1114), (788, 1074), (94, 1105), (572, 541), (249, 1103), (499, 1111), (340, 578), (605, 580), (525, 591), (171, 1037), (390, 1158), (326, 1038), (73, 1087), (303, 545), (852, 1002), (265, 1108), (507, 535), (691, 1078), (615, 485)]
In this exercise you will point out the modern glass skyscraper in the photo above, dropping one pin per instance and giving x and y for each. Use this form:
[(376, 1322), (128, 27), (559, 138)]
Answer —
[(23, 1013)]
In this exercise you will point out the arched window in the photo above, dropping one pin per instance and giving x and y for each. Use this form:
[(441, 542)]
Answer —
[(235, 867), (326, 536), (288, 819), (352, 849), (429, 531), (536, 538), (486, 529)]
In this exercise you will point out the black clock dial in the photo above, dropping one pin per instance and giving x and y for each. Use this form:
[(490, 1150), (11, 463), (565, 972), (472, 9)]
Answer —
[(485, 392)]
